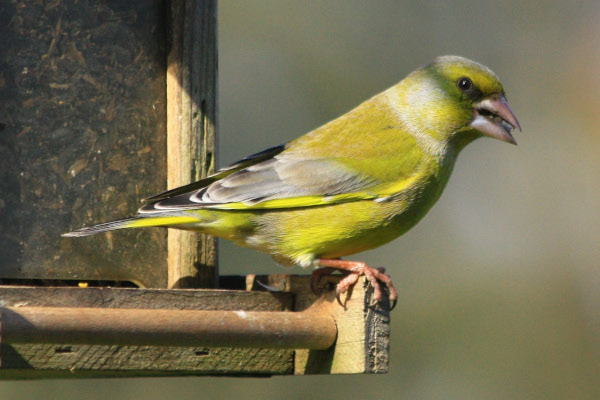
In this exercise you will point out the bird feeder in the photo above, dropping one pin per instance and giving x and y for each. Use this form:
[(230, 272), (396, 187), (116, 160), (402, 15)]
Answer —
[(106, 104)]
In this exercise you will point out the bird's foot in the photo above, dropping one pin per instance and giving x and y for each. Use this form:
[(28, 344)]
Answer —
[(353, 270)]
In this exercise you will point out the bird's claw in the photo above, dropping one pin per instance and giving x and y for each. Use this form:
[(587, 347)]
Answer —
[(339, 299), (353, 271), (393, 304)]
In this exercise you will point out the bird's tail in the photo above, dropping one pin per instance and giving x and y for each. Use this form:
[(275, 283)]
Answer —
[(134, 222)]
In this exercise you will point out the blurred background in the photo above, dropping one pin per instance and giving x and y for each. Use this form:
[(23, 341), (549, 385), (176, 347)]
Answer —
[(499, 285)]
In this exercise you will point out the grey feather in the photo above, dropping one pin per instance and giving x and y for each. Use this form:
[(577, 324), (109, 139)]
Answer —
[(279, 177)]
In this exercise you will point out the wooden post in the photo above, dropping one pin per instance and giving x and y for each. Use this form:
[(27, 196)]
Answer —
[(191, 130)]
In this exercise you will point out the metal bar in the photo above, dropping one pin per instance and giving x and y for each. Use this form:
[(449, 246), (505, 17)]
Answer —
[(239, 329)]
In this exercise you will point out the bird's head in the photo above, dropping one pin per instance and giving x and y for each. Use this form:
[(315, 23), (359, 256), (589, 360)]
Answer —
[(457, 100)]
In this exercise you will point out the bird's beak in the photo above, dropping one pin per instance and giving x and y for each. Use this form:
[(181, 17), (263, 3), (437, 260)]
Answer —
[(494, 118)]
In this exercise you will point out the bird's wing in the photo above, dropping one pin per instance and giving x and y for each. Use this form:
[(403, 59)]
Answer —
[(222, 173), (283, 177), (279, 182)]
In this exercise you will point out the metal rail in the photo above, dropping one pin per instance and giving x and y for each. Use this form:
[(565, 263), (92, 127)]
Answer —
[(143, 327)]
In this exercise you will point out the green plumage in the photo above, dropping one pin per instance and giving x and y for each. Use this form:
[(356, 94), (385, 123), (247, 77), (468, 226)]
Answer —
[(353, 184)]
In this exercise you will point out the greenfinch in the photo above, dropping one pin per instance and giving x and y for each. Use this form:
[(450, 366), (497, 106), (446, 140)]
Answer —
[(351, 185)]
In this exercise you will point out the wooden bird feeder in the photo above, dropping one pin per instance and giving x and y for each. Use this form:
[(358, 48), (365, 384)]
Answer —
[(106, 105)]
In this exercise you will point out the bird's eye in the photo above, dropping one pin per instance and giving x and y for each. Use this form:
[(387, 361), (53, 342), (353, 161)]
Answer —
[(464, 84)]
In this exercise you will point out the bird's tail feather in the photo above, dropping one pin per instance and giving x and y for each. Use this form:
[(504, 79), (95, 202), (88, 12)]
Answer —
[(133, 222)]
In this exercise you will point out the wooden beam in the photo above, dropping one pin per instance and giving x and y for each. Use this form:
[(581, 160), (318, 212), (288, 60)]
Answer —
[(191, 130)]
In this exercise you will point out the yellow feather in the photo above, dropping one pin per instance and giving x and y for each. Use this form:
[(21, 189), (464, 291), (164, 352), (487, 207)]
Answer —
[(389, 160)]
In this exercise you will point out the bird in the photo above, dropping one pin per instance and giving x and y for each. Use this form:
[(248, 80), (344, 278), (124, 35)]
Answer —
[(353, 184)]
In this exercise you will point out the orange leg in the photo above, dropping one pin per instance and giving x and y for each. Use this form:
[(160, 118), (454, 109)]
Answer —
[(355, 269)]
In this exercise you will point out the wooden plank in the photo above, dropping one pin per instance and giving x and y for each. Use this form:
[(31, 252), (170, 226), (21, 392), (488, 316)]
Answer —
[(107, 297), (191, 130), (48, 360), (362, 345), (80, 361)]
